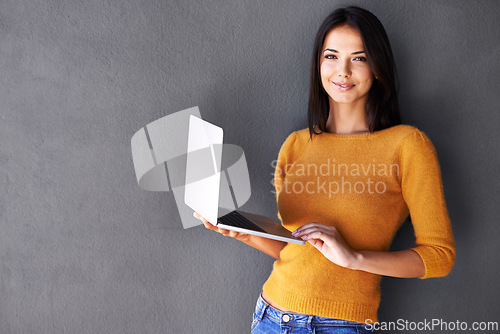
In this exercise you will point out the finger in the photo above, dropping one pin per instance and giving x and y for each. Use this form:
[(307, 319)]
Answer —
[(320, 235), (224, 232), (318, 244), (312, 229), (198, 216), (204, 220), (210, 226), (235, 234), (314, 224), (215, 228)]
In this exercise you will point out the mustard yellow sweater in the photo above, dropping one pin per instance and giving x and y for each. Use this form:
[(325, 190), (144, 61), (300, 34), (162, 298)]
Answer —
[(366, 186)]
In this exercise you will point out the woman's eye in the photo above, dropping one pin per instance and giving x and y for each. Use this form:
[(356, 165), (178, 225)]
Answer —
[(360, 58), (331, 57)]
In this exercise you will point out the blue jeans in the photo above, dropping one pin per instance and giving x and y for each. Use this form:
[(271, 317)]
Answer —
[(269, 320)]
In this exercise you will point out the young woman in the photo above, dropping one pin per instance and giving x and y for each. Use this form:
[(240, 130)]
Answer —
[(346, 184)]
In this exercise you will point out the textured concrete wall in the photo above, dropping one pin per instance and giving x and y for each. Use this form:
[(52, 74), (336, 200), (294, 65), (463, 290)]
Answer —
[(84, 250)]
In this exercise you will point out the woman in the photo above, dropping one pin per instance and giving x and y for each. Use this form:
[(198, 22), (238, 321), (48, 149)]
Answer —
[(346, 184)]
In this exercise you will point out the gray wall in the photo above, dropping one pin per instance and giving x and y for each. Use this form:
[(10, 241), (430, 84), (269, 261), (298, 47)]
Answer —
[(84, 250)]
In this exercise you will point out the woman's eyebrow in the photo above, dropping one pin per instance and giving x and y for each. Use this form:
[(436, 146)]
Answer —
[(354, 53)]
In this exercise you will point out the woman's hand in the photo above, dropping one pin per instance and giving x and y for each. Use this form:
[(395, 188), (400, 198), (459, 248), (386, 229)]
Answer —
[(329, 242), (227, 233)]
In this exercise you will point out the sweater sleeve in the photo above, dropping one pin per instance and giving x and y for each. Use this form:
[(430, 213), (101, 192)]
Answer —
[(284, 162), (423, 193)]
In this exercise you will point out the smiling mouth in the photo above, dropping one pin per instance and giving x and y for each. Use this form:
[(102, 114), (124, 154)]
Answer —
[(343, 86)]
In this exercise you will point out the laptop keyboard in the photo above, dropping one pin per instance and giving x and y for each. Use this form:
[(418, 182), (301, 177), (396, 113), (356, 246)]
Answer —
[(238, 220)]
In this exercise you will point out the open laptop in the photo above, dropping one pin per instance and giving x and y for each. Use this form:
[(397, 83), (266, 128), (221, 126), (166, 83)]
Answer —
[(204, 189)]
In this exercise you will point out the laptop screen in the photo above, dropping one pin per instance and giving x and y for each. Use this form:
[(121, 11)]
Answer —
[(203, 168)]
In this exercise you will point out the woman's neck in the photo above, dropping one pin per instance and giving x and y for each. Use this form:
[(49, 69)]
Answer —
[(347, 119)]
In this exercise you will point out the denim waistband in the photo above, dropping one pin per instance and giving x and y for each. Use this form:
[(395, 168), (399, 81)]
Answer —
[(297, 319)]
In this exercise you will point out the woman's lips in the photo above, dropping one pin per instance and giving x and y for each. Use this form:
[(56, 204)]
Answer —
[(343, 86)]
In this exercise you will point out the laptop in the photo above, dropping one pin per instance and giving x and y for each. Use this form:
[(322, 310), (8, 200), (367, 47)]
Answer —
[(211, 179)]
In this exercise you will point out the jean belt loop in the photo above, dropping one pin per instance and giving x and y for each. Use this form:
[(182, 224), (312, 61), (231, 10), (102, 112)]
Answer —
[(262, 311), (309, 324)]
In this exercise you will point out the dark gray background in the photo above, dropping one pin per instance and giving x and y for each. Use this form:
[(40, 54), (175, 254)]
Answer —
[(84, 250)]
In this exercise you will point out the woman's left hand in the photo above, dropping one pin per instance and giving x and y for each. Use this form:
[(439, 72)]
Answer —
[(329, 242)]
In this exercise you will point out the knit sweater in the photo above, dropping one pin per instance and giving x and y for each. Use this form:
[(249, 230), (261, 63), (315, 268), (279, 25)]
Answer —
[(366, 186)]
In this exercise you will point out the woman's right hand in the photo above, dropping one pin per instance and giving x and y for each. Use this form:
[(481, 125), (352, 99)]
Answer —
[(243, 237)]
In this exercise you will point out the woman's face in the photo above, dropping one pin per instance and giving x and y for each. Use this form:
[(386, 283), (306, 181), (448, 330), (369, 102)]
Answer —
[(345, 73)]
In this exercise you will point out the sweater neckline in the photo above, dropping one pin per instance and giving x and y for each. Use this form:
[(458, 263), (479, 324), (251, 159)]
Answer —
[(361, 135)]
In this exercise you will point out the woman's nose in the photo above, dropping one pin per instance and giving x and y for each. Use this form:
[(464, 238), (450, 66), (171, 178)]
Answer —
[(344, 70)]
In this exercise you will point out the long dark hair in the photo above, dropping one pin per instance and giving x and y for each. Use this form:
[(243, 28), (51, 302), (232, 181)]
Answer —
[(382, 109)]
